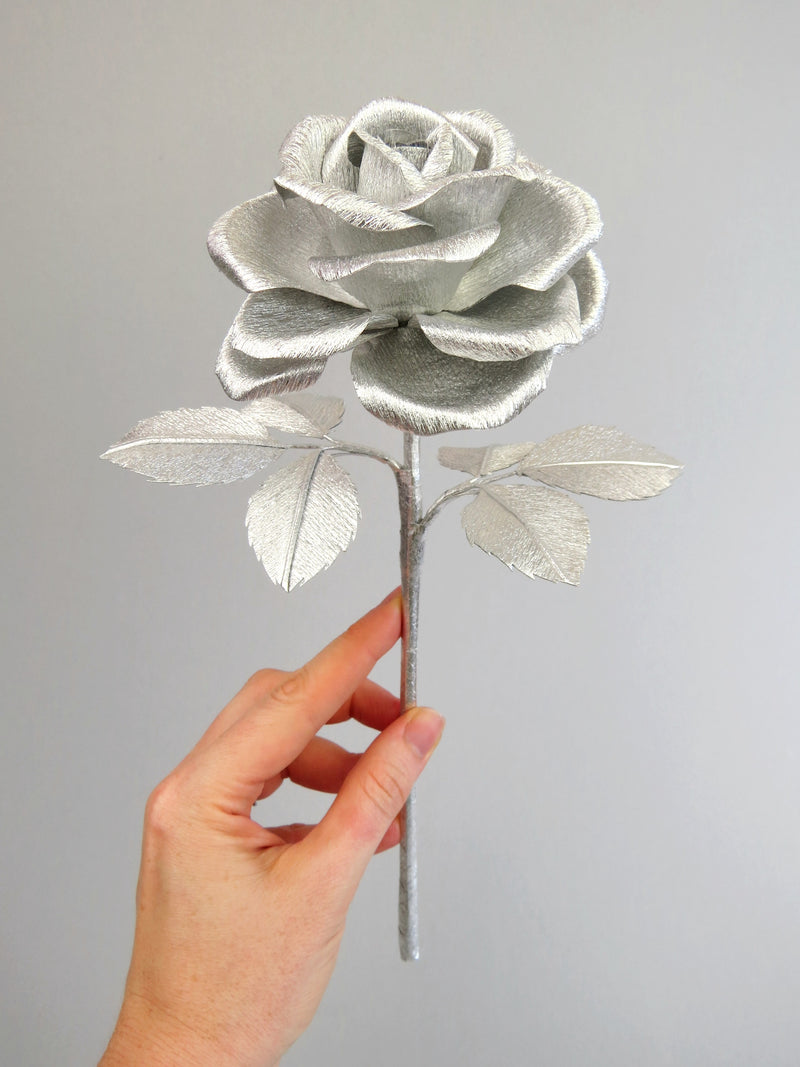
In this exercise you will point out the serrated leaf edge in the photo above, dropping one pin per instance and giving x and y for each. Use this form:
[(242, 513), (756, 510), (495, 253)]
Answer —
[(546, 552)]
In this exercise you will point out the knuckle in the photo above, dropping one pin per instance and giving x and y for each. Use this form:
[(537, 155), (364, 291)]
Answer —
[(264, 680), (384, 789), (292, 687), (162, 807)]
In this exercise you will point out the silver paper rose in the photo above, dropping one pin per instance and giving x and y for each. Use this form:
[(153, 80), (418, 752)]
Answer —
[(455, 269), (454, 266)]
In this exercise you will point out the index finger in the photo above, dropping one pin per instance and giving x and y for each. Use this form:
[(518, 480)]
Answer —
[(369, 703), (270, 735)]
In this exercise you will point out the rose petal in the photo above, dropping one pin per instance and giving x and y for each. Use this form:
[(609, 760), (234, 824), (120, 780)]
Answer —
[(342, 239), (291, 324), (331, 186), (304, 147), (390, 120), (260, 245), (457, 249), (349, 207), (403, 380), (385, 175), (315, 167), (511, 323), (461, 202), (546, 226), (438, 161), (407, 280), (243, 377), (465, 151), (451, 153), (495, 143), (592, 286)]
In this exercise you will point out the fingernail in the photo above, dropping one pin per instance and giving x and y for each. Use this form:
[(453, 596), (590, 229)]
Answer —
[(423, 730), (396, 594)]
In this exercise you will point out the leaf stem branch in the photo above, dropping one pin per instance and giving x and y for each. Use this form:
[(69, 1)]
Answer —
[(472, 485), (363, 450), (350, 448)]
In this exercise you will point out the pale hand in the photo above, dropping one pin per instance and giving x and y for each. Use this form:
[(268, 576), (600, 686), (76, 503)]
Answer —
[(238, 926)]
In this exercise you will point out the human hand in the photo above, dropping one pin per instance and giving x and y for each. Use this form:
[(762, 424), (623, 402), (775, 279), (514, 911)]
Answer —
[(238, 926)]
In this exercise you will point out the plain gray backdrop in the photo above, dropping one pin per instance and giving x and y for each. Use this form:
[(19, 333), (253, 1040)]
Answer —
[(610, 830)]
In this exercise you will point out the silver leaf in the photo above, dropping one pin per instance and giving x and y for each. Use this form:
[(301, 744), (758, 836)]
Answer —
[(601, 461), (305, 413), (486, 460), (542, 533), (301, 518), (196, 446)]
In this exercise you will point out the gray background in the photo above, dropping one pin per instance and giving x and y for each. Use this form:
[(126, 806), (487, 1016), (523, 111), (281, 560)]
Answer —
[(610, 838)]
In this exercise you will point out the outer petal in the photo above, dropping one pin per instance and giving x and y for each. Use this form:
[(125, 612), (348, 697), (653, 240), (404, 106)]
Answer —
[(291, 324), (304, 147), (547, 226), (403, 380), (509, 324), (261, 245), (592, 286), (243, 377), (404, 281)]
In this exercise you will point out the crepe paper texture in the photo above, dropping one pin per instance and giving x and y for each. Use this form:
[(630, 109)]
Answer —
[(455, 270)]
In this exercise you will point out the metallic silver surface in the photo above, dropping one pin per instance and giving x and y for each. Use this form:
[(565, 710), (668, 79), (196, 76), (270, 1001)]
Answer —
[(592, 288), (197, 446), (510, 323), (404, 281), (601, 461), (301, 518), (402, 212), (486, 460), (243, 376), (291, 324), (260, 245), (406, 381), (459, 248), (411, 549), (538, 531), (547, 225), (305, 413)]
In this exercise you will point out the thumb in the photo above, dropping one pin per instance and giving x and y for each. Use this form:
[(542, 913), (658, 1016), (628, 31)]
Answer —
[(375, 791)]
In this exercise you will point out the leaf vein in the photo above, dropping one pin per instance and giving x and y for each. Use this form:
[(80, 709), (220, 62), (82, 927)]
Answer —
[(531, 531), (297, 521)]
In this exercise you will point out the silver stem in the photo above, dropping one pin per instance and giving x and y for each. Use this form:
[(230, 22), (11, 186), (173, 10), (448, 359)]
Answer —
[(411, 546)]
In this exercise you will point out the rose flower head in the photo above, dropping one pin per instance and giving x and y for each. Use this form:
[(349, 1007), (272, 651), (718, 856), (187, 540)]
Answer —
[(452, 266)]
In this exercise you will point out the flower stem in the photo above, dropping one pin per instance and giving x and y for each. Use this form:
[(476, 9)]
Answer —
[(411, 547)]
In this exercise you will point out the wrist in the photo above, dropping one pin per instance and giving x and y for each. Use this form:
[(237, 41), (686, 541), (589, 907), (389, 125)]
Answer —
[(145, 1036)]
